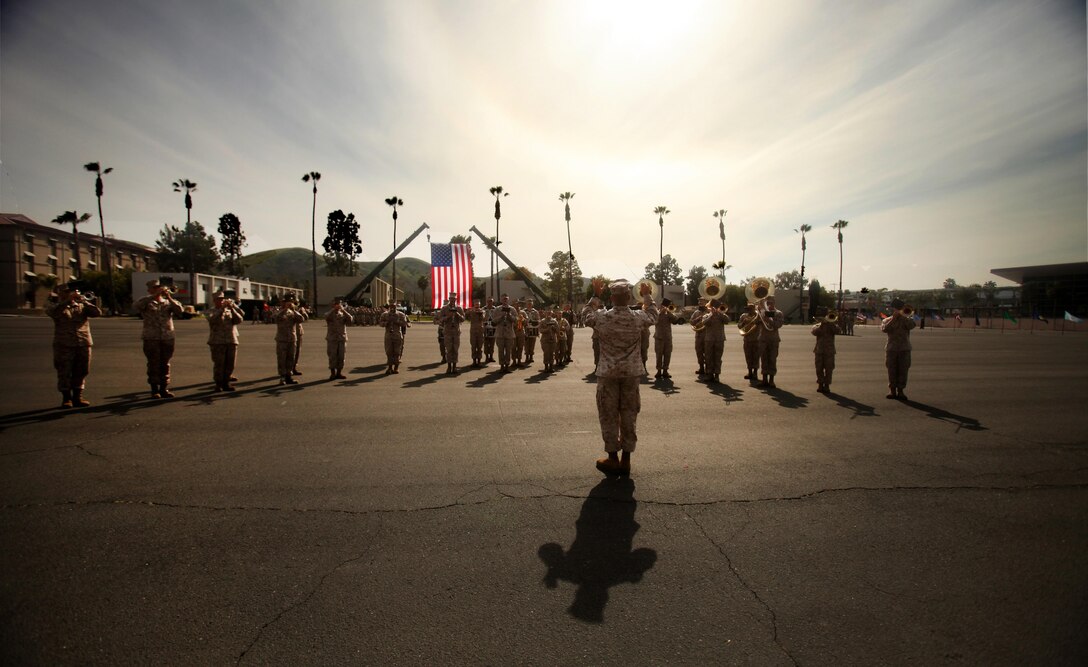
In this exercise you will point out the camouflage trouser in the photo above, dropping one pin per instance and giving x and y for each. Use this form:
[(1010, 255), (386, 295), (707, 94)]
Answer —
[(663, 352), (394, 347), (768, 356), (712, 355), (285, 357), (547, 349), (596, 351), (298, 350), (825, 365), (519, 345), (72, 364), (506, 350), (644, 347), (489, 346), (617, 407), (442, 344), (700, 353), (570, 343), (453, 346), (898, 364), (336, 349), (476, 339), (158, 353), (751, 352), (530, 347), (223, 357)]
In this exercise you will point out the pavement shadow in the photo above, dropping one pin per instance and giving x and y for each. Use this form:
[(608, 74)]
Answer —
[(590, 377), (427, 367), (860, 409), (539, 376), (786, 399), (665, 386), (372, 368), (491, 377), (600, 556), (726, 392), (969, 423)]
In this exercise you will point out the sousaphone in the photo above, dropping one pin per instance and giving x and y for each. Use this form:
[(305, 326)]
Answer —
[(638, 289), (758, 290), (712, 287)]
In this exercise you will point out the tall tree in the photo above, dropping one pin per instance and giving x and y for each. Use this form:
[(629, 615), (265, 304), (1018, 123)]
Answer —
[(802, 230), (231, 242), (191, 249), (950, 283), (75, 219), (720, 215), (565, 197), (313, 177), (560, 277), (499, 194), (696, 276), (422, 283), (598, 287), (188, 187), (839, 226), (342, 244), (668, 272), (789, 280), (394, 201), (661, 212), (99, 189)]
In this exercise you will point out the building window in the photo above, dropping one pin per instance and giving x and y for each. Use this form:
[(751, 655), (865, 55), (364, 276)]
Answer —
[(29, 259), (93, 251), (53, 246)]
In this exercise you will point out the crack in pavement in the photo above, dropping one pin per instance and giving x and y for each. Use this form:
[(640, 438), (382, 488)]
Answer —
[(503, 495), (79, 445), (296, 605), (747, 586)]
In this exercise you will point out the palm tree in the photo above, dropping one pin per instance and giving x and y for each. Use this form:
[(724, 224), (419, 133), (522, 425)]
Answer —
[(306, 178), (74, 219), (661, 212), (497, 191), (188, 187), (565, 198), (98, 190), (720, 215), (804, 246), (394, 201), (839, 226)]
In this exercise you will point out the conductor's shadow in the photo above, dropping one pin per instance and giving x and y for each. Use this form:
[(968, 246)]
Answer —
[(601, 555), (860, 409), (426, 367), (372, 368), (539, 376), (969, 423), (727, 393), (786, 399)]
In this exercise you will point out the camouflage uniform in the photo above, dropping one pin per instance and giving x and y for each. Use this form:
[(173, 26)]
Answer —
[(158, 337), (594, 338), (714, 342), (549, 339), (475, 317), (286, 318), (72, 345), (825, 353), (768, 345), (504, 318), (568, 315), (749, 326), (450, 318), (337, 321), (519, 336), (304, 312), (489, 332), (663, 341), (618, 373), (395, 322), (532, 331), (897, 351), (700, 336), (223, 324)]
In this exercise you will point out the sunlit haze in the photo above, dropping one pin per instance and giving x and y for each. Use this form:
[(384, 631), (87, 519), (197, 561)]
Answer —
[(951, 135)]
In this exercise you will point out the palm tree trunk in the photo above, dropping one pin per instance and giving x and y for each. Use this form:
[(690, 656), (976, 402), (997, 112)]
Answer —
[(75, 240), (801, 288), (840, 270), (192, 260), (313, 247), (106, 253)]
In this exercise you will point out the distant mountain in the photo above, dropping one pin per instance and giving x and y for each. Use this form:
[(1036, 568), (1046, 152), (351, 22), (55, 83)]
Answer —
[(292, 267)]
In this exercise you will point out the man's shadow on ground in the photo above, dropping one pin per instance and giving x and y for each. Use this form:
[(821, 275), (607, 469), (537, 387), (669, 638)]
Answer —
[(860, 409), (600, 556), (969, 423)]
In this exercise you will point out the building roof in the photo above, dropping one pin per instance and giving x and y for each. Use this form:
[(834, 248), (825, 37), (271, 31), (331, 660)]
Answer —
[(20, 220), (1020, 274)]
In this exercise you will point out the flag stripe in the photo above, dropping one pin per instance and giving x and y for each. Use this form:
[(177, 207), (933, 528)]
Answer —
[(451, 271)]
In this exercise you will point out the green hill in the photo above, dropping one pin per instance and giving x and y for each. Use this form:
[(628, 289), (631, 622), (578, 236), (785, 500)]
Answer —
[(292, 267)]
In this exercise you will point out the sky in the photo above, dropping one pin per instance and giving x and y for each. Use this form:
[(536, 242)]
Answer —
[(952, 136)]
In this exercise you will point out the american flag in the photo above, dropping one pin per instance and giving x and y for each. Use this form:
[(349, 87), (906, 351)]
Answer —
[(451, 271)]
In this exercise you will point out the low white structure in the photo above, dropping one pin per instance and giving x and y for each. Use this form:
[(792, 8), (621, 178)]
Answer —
[(207, 285)]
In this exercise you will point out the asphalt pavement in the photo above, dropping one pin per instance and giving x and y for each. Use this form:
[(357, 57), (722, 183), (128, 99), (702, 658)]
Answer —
[(429, 519)]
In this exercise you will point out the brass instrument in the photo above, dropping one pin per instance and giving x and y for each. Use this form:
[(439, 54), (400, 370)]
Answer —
[(757, 292), (641, 287), (712, 288), (907, 311)]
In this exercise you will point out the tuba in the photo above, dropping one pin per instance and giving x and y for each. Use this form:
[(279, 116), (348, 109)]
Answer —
[(712, 287), (758, 290), (832, 317), (638, 289)]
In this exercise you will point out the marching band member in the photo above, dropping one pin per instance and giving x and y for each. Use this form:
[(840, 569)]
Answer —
[(714, 339), (489, 330), (593, 306), (519, 334), (568, 315), (897, 349), (663, 338), (286, 318), (549, 338), (749, 326), (565, 332), (700, 335), (475, 317), (450, 318), (504, 317), (304, 311), (772, 320), (395, 324), (532, 330), (825, 331), (223, 321), (71, 342), (337, 321), (157, 310)]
